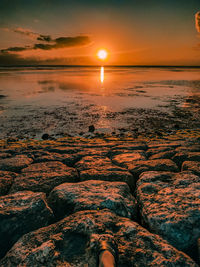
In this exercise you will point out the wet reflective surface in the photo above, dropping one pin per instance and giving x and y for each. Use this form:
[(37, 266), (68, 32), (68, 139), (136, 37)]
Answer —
[(53, 100)]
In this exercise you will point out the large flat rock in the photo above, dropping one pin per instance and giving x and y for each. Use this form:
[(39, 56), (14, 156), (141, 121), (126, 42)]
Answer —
[(163, 155), (64, 149), (139, 167), (101, 168), (170, 206), (74, 242), (189, 148), (4, 155), (193, 166), (44, 156), (173, 144), (180, 157), (6, 180), (93, 195), (156, 150), (126, 159), (15, 163), (128, 148), (43, 177), (21, 213)]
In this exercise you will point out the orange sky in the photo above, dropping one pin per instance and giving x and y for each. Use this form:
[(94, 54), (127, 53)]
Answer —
[(150, 33)]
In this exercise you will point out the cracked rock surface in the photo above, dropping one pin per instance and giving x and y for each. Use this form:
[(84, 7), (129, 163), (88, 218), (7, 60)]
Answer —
[(21, 213), (59, 198), (93, 195), (170, 206), (73, 241)]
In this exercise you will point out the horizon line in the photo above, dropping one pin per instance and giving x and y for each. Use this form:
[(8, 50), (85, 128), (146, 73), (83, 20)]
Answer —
[(127, 66)]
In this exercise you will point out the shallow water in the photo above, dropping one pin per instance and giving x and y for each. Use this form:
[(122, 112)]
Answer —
[(66, 100)]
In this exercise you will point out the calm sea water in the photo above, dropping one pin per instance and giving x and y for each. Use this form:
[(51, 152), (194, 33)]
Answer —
[(57, 100)]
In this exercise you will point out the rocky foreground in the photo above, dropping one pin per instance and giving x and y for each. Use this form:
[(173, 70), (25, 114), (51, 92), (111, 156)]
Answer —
[(59, 198)]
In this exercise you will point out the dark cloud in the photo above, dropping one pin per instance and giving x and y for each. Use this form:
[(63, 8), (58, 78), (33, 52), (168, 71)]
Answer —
[(197, 20), (45, 38), (64, 42), (42, 46), (71, 41), (10, 56), (61, 42), (14, 49)]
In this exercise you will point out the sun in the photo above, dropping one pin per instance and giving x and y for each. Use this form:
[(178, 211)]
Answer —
[(102, 54)]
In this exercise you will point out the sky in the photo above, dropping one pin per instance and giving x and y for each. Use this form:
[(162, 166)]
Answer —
[(134, 32)]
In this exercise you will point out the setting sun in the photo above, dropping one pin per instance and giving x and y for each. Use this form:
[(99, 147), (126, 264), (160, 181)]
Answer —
[(102, 54)]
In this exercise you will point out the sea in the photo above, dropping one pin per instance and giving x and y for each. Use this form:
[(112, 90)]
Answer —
[(116, 100)]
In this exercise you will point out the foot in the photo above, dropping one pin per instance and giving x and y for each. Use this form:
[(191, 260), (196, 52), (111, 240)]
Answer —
[(106, 259)]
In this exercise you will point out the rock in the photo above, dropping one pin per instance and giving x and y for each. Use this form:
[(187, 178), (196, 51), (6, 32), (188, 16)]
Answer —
[(11, 140), (88, 135), (15, 164), (45, 136), (170, 206), (158, 150), (43, 177), (193, 166), (101, 168), (4, 155), (100, 152), (95, 161), (68, 159), (131, 146), (91, 128), (64, 149), (127, 148), (163, 155), (6, 180), (93, 195), (21, 213), (180, 157), (74, 241), (172, 145), (126, 159), (138, 167), (190, 148)]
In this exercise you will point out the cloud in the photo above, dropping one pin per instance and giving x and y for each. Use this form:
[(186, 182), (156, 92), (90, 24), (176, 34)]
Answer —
[(14, 49), (71, 41), (30, 34), (25, 32), (45, 38), (12, 55), (64, 42), (43, 46), (197, 21), (61, 42)]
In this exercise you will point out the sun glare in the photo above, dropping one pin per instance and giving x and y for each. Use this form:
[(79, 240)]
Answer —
[(102, 54)]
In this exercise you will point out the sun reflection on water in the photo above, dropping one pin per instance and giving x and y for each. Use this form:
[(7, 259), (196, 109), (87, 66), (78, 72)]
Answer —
[(102, 74)]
